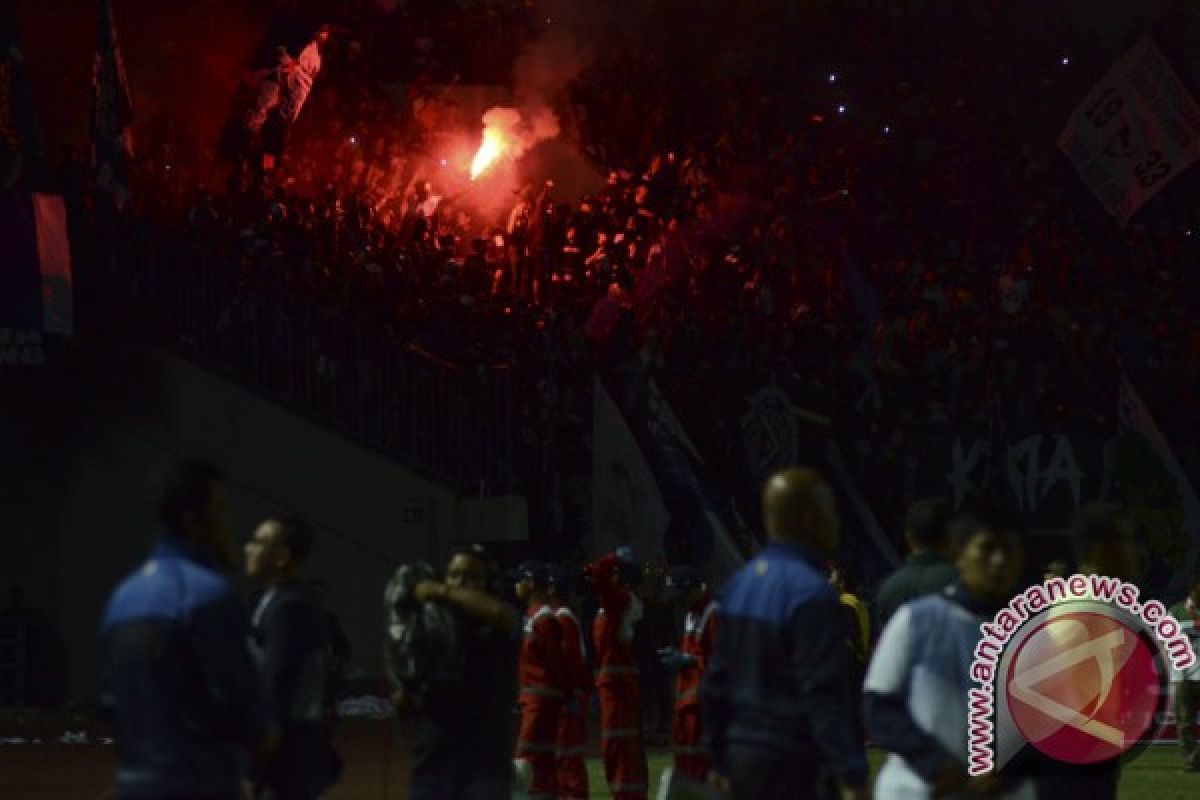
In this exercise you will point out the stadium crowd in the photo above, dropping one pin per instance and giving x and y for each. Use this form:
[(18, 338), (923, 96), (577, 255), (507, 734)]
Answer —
[(880, 263), (866, 248)]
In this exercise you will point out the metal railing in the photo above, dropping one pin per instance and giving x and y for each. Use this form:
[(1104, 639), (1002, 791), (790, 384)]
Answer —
[(343, 370)]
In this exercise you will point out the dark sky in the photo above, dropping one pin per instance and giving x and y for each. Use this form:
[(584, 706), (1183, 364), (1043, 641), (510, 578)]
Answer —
[(184, 57)]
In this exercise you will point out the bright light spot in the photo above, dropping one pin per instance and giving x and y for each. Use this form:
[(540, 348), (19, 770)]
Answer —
[(887, 128), (353, 140), (445, 162), (833, 77), (841, 109), (493, 146), (1066, 60)]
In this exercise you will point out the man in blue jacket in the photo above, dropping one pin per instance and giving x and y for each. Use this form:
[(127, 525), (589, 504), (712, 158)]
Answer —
[(178, 684), (779, 707)]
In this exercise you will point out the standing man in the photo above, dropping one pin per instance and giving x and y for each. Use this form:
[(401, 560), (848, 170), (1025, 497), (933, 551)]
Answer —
[(571, 773), (778, 709), (617, 672), (1187, 683), (543, 680), (928, 568), (1104, 537), (916, 698), (451, 658), (290, 641), (177, 682), (689, 661)]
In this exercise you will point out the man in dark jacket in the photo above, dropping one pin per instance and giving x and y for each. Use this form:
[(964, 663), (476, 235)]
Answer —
[(779, 710), (177, 681), (928, 568), (451, 659), (290, 639)]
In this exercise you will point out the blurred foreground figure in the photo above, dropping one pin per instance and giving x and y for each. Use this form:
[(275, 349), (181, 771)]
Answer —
[(290, 640), (778, 703), (451, 658), (178, 684), (918, 684)]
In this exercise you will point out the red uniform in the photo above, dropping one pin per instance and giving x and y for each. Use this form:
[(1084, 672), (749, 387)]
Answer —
[(572, 724), (542, 676), (699, 632), (617, 682)]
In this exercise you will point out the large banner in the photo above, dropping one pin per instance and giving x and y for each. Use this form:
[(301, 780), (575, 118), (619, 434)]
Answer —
[(1136, 130)]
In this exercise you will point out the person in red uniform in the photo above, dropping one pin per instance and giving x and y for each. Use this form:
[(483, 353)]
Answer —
[(572, 776), (689, 660), (617, 673), (542, 676)]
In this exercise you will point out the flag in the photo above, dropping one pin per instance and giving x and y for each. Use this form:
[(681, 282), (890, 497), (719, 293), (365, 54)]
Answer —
[(627, 507), (1134, 131), (1135, 418), (112, 117), (18, 125), (35, 281)]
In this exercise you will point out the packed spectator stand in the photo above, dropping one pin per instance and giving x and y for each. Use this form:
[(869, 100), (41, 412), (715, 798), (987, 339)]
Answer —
[(850, 222)]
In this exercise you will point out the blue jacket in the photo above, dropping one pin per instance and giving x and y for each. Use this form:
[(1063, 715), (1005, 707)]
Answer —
[(177, 680), (780, 675)]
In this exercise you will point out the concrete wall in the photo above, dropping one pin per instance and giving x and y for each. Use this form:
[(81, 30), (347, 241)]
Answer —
[(78, 515)]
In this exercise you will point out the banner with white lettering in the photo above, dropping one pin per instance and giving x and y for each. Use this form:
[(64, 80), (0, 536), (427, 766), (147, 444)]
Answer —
[(1136, 130)]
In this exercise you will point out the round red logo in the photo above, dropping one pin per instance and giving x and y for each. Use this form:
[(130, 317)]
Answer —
[(1084, 687)]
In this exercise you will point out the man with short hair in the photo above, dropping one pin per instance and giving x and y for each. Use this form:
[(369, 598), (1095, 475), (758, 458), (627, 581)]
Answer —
[(777, 705), (458, 695), (927, 570), (917, 685), (290, 640), (177, 682)]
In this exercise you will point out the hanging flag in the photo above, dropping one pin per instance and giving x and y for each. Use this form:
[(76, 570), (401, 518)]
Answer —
[(18, 124), (1136, 130), (627, 507), (35, 282), (1154, 486), (112, 117)]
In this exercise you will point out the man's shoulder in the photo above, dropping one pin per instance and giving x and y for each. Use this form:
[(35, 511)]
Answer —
[(294, 602), (166, 587), (774, 586)]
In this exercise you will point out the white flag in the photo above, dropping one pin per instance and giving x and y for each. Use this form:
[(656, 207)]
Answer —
[(1136, 130), (1136, 418)]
